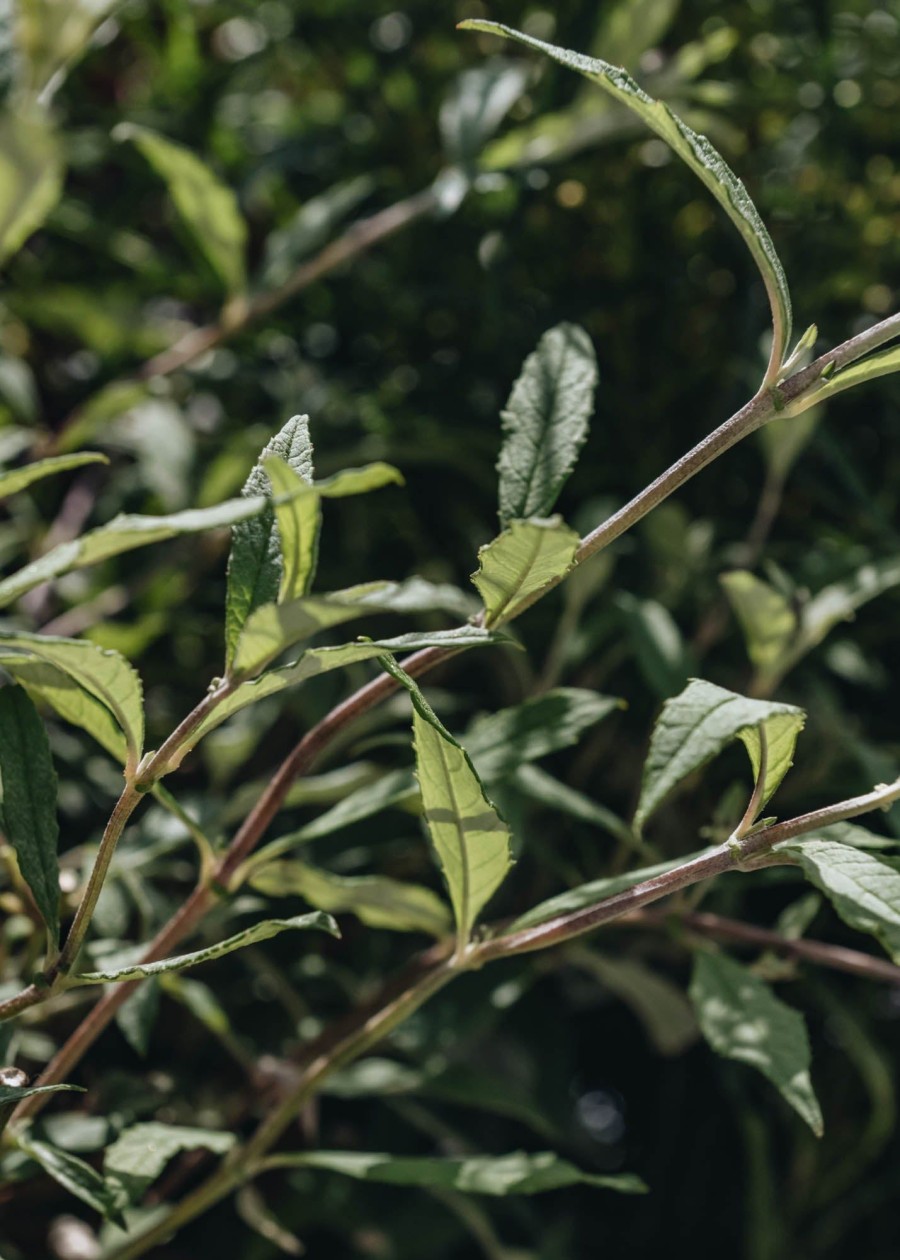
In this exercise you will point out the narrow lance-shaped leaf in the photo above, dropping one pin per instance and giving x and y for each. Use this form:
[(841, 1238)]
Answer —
[(250, 936), (273, 628), (103, 674), (207, 207), (697, 153), (863, 887), (545, 422), (376, 900), (520, 562), (470, 838), (882, 363), (74, 1175), (254, 565), (29, 802), (30, 178), (13, 1094), (742, 1019), (517, 1173), (696, 725), (73, 704), (19, 478), (140, 1154)]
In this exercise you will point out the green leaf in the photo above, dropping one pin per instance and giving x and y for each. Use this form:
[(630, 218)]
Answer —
[(140, 1154), (74, 1175), (136, 1017), (18, 478), (207, 207), (310, 228), (520, 562), (29, 802), (315, 661), (31, 176), (254, 565), (883, 363), (839, 601), (53, 38), (535, 783), (72, 703), (109, 403), (376, 900), (273, 628), (478, 102), (500, 742), (742, 1019), (250, 936), (696, 725), (14, 1094), (517, 1173), (105, 675), (767, 619), (662, 1007), (697, 153), (658, 644), (596, 890), (127, 533), (863, 888), (469, 837), (545, 423)]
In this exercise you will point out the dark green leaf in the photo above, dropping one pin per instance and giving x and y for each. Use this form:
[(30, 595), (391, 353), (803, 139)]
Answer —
[(545, 423), (140, 1154), (29, 802), (74, 1175)]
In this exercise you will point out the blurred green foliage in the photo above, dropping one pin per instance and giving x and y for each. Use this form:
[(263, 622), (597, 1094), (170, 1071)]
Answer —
[(316, 114)]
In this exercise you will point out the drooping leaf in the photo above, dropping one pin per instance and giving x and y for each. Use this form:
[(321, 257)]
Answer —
[(695, 151), (545, 422), (19, 478), (29, 802), (207, 207), (315, 661), (520, 562), (31, 176), (863, 887), (696, 725), (478, 102), (661, 1006), (273, 628), (517, 1173), (469, 837), (500, 742), (105, 675), (140, 1153), (254, 565), (127, 533), (742, 1019), (767, 619), (45, 682), (250, 936), (376, 900), (74, 1175)]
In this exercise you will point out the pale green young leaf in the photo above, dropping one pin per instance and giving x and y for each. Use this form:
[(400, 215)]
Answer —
[(250, 936), (352, 481), (469, 837), (742, 1019), (127, 533), (545, 422), (74, 1175), (520, 562), (73, 704), (207, 207), (140, 1153), (767, 619), (29, 802), (696, 725), (31, 175), (103, 674), (19, 478), (273, 628), (697, 153), (516, 1173), (254, 565), (315, 661), (376, 900), (863, 887)]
